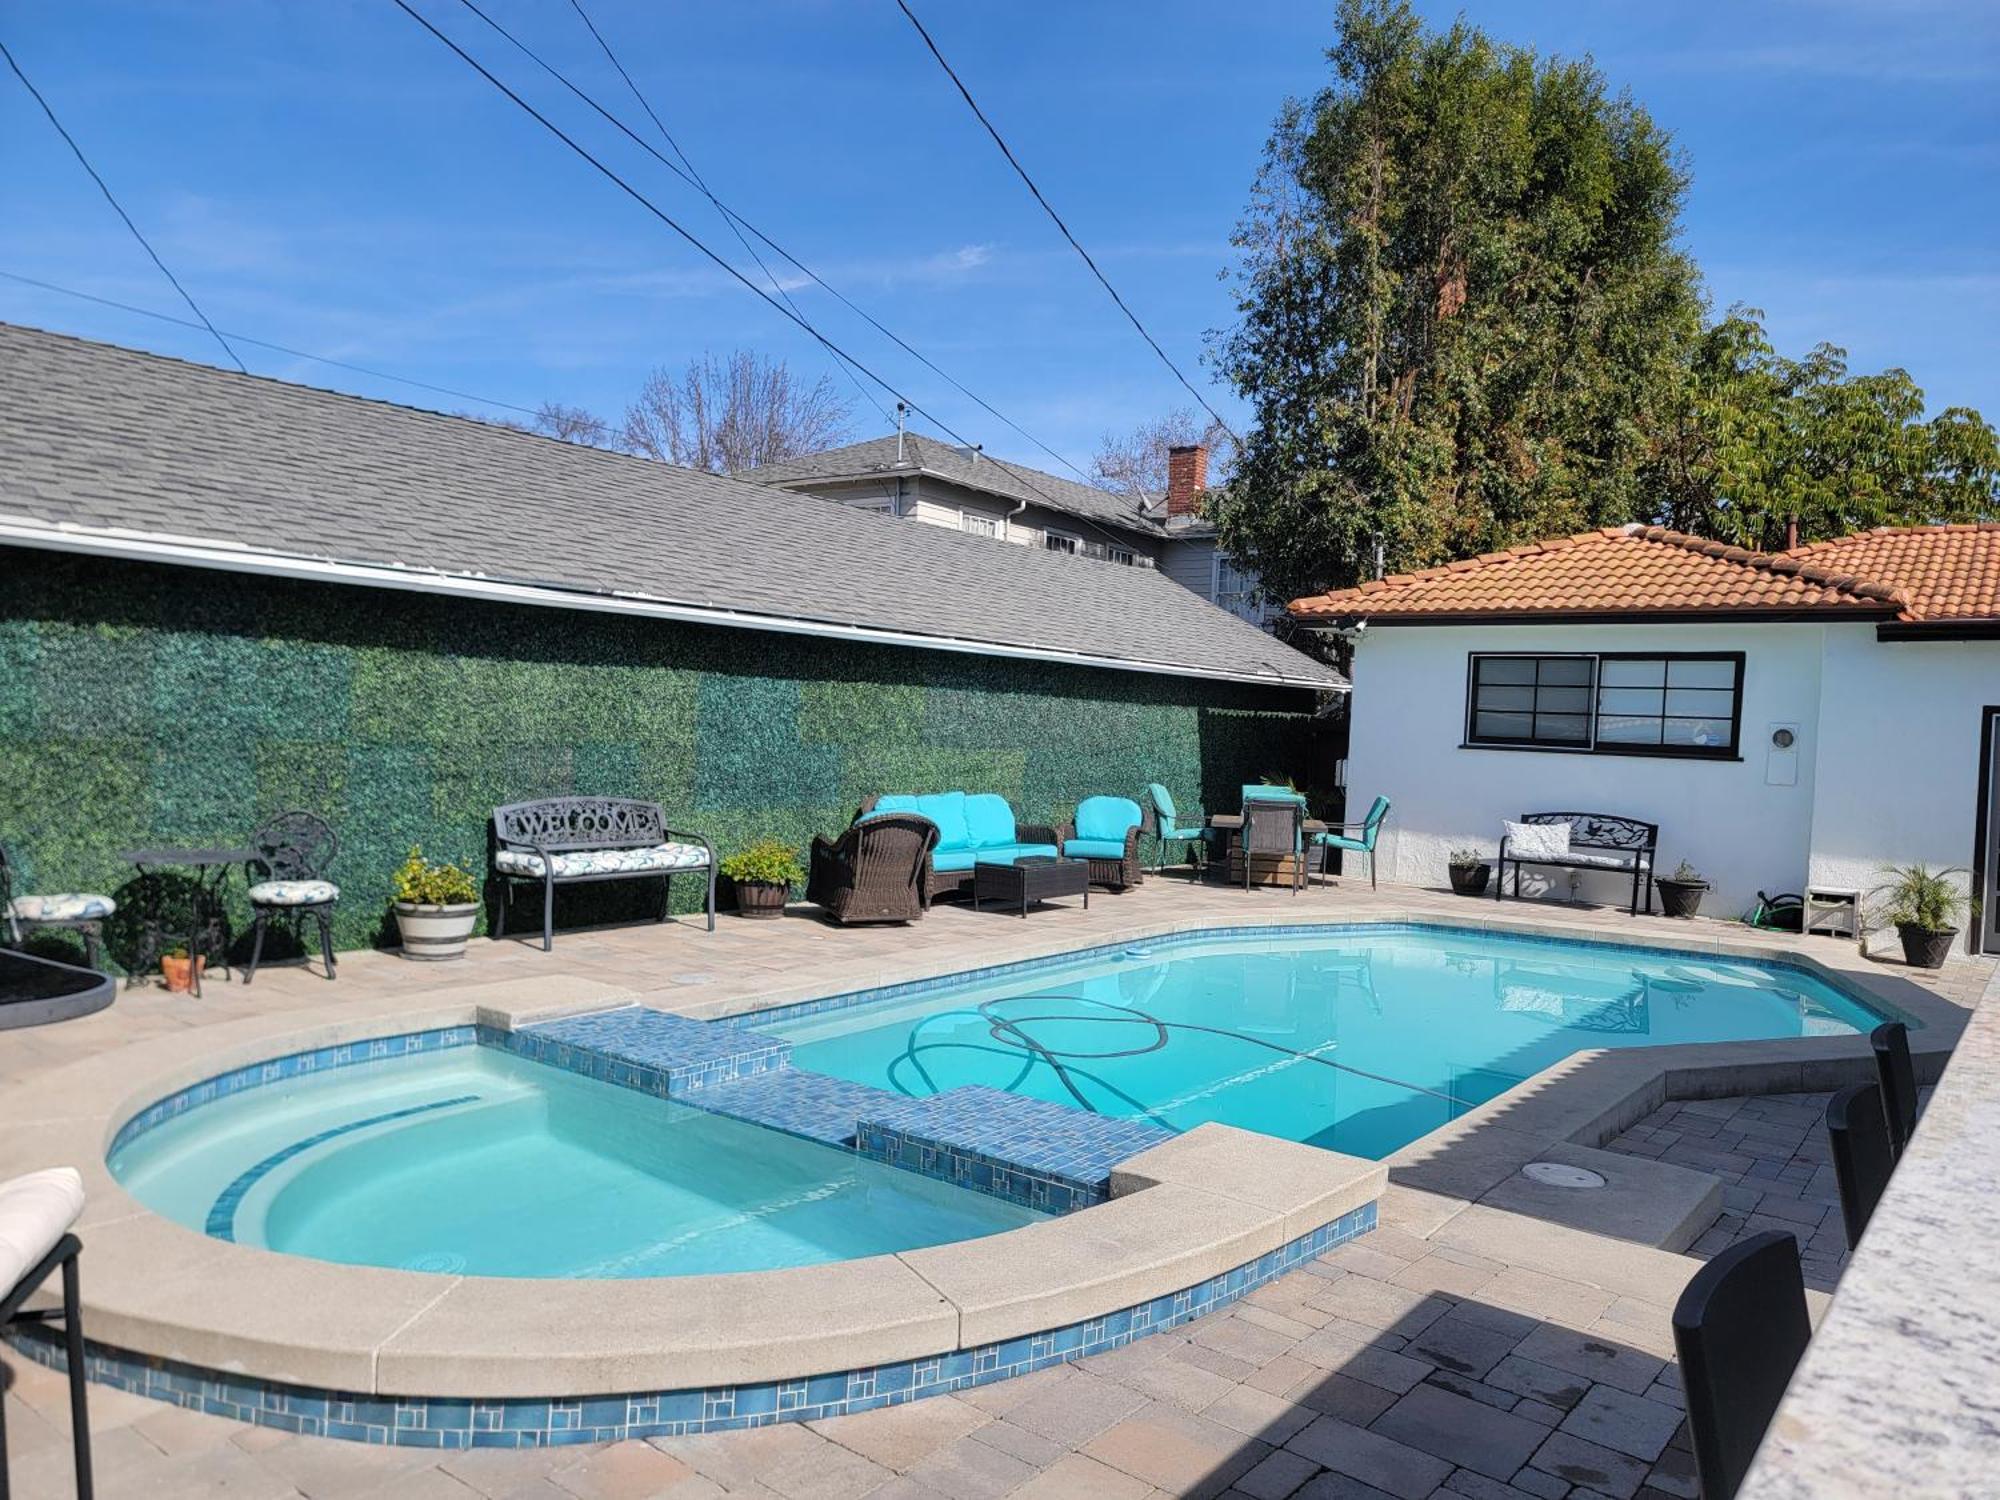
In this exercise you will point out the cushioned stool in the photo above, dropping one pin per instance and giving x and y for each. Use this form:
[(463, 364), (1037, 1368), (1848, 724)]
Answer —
[(36, 1212)]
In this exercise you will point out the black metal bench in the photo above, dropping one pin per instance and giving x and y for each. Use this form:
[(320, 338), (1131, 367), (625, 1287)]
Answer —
[(578, 840), (1597, 841)]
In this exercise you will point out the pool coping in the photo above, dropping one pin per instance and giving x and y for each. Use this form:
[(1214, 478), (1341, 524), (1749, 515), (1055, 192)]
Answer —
[(149, 1285)]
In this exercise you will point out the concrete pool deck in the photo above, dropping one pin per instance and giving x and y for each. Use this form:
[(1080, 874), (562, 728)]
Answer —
[(1437, 1187)]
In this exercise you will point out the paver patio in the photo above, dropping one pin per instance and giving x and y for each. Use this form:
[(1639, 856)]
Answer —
[(1407, 1364)]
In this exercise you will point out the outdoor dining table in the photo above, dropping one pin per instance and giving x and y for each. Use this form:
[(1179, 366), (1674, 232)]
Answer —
[(1226, 827), (209, 868)]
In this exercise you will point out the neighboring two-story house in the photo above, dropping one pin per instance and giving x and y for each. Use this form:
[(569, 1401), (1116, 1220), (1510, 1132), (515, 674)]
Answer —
[(921, 479)]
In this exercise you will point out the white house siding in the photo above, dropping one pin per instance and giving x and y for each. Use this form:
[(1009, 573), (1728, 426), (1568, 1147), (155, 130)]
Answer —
[(1725, 817), (1899, 753)]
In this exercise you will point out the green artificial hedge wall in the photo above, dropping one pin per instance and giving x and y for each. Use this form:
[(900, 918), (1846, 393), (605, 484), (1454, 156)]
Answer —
[(144, 705)]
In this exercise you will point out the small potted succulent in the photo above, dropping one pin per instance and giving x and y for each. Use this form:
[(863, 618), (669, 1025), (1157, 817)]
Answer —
[(179, 970), (1470, 870), (437, 906), (1923, 905), (1681, 892), (763, 876)]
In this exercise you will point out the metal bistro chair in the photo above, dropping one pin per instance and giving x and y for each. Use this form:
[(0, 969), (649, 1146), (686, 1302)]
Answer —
[(288, 879), (1371, 830), (1274, 827), (1739, 1329), (1863, 1158), (36, 1212), (1891, 1041), (1167, 829), (80, 912)]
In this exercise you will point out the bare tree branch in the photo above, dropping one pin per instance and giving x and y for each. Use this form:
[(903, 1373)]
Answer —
[(725, 415), (1135, 463)]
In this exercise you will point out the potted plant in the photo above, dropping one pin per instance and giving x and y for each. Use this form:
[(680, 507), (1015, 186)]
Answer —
[(179, 970), (1923, 905), (763, 875), (1681, 892), (1469, 872), (437, 906)]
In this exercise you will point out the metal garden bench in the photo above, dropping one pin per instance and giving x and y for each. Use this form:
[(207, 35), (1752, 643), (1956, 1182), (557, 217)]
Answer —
[(1597, 841), (578, 840)]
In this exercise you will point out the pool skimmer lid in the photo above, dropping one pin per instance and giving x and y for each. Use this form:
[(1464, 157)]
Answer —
[(1557, 1174)]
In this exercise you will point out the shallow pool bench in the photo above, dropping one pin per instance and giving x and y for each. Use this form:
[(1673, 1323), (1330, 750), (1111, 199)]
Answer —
[(1597, 841), (574, 840)]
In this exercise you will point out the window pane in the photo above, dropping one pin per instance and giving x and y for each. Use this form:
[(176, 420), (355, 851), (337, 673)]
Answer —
[(1700, 703), (1566, 669), (1642, 673), (1506, 669), (1621, 730), (1643, 700), (1503, 726), (1711, 733), (1564, 728), (1563, 700), (1518, 699), (1708, 674)]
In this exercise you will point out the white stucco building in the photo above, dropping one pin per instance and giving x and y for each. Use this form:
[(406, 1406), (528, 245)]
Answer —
[(1788, 721)]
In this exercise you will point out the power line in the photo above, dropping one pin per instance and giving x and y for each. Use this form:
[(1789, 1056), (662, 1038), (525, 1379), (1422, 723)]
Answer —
[(77, 151), (1075, 245), (244, 338), (803, 269), (665, 218)]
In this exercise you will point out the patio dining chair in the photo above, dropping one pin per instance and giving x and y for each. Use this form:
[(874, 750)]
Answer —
[(1891, 1043), (1363, 841), (36, 1212), (81, 912), (1167, 827), (1858, 1133), (288, 881), (1274, 827)]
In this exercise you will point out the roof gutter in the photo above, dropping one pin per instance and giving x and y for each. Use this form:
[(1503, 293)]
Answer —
[(1855, 614), (141, 546)]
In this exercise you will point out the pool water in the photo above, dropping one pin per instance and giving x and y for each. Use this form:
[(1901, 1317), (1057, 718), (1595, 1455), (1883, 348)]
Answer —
[(1360, 1042), (473, 1160)]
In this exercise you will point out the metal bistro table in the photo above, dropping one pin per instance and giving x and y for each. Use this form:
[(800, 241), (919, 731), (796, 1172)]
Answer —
[(208, 925), (1228, 829)]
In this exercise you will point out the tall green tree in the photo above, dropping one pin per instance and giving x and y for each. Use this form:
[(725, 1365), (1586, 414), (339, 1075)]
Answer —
[(1462, 307), (1758, 448)]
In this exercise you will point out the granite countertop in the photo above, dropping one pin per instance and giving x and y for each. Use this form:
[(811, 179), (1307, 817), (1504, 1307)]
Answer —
[(1899, 1393)]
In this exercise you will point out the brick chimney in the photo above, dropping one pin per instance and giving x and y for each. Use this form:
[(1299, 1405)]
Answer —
[(1187, 477)]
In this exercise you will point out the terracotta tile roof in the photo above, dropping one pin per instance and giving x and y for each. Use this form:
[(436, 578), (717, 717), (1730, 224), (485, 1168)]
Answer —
[(1943, 572), (1639, 569)]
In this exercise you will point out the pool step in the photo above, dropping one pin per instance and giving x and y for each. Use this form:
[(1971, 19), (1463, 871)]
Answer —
[(798, 1102), (649, 1050)]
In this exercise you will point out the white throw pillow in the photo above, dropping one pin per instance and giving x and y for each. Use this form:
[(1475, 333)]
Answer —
[(1536, 840)]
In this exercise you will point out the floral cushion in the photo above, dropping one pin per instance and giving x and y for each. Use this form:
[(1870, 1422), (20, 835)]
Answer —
[(605, 861), (71, 906), (293, 892)]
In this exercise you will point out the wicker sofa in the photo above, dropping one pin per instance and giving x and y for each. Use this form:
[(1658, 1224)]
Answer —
[(971, 827), (877, 871)]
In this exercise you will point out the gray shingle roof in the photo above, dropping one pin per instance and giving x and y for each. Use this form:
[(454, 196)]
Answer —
[(922, 455), (102, 438)]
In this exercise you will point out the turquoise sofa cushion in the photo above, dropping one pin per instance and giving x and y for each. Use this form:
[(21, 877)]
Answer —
[(947, 810), (1094, 848), (1006, 854), (955, 859), (895, 802), (989, 820), (1107, 818)]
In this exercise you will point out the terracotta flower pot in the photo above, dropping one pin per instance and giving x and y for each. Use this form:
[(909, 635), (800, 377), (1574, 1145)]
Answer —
[(1925, 947), (762, 899), (431, 933), (179, 972)]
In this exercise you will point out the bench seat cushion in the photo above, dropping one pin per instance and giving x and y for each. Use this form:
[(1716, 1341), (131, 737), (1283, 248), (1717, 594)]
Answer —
[(35, 1212), (293, 893), (69, 906), (656, 859)]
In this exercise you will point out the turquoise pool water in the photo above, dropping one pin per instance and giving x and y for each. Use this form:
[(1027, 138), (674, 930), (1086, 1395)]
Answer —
[(1357, 1041), (472, 1160)]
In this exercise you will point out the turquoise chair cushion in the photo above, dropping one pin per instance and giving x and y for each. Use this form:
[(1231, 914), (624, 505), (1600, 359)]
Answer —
[(1094, 848), (1006, 854), (989, 820), (947, 810), (1107, 818), (895, 802), (1163, 802), (1341, 841), (1258, 792), (955, 859)]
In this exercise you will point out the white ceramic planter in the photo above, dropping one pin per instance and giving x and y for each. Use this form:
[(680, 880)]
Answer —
[(434, 932)]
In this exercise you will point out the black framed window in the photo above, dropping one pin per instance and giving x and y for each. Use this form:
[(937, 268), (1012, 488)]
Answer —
[(1676, 703)]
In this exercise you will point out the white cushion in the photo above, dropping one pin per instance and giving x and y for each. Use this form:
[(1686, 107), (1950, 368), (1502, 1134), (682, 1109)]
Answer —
[(657, 857), (35, 1212), (70, 906), (293, 892), (1536, 840)]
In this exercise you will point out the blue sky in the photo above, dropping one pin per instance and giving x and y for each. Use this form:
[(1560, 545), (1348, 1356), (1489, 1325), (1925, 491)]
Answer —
[(325, 175)]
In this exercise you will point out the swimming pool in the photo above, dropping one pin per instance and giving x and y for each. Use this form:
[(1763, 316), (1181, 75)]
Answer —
[(1360, 1040), (477, 1161)]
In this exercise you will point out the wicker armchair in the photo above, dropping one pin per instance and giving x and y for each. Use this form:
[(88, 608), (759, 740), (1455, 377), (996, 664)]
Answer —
[(874, 872), (1106, 831)]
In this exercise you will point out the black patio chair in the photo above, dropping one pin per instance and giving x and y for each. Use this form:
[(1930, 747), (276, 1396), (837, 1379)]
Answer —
[(1739, 1329), (1891, 1041), (288, 881), (61, 1256), (1862, 1157), (1274, 827)]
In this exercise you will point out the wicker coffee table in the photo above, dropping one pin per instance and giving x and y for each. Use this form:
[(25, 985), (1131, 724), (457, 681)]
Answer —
[(1027, 881)]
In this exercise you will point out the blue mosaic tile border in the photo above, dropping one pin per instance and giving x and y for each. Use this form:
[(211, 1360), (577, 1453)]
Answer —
[(557, 1421), (814, 1106), (1162, 946), (650, 1050)]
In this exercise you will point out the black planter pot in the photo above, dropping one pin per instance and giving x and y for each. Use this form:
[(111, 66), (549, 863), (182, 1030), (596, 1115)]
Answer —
[(1925, 948), (1680, 898), (1470, 880), (755, 898)]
